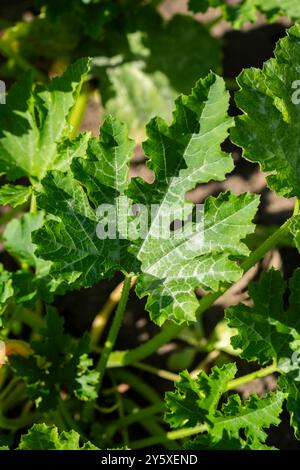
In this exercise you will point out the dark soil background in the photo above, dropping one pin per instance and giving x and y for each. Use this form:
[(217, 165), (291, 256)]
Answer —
[(247, 48)]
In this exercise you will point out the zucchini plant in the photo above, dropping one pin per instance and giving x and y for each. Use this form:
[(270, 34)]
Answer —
[(77, 218)]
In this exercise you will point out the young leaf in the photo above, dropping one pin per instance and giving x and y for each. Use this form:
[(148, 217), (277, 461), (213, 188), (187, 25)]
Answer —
[(43, 437), (34, 124), (195, 400), (181, 156), (268, 130), (198, 401)]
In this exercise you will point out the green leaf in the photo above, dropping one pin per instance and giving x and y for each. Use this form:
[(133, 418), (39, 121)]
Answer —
[(187, 264), (6, 290), (247, 10), (34, 124), (14, 195), (268, 131), (207, 442), (201, 401), (28, 285), (17, 239), (290, 384), (195, 400), (266, 331), (138, 96), (181, 156), (57, 362), (173, 52), (73, 244), (43, 437), (295, 230), (201, 6)]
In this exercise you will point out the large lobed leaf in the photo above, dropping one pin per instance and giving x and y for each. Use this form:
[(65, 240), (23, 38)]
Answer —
[(181, 156)]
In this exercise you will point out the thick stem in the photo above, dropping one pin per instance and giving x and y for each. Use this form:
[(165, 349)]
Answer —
[(151, 426), (109, 344), (114, 330), (258, 374), (137, 384), (169, 436), (164, 374), (78, 110), (14, 424), (138, 415), (102, 318), (124, 358), (33, 205)]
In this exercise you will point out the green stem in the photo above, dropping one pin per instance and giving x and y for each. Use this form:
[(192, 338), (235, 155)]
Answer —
[(258, 374), (169, 436), (137, 415), (124, 358), (31, 319), (17, 395), (9, 388), (33, 205), (78, 110), (18, 423), (68, 419), (114, 330), (137, 384), (151, 426), (164, 374), (266, 246), (120, 403)]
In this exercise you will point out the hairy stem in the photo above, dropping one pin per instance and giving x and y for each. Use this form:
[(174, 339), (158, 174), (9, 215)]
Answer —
[(164, 374), (137, 415), (258, 374), (150, 425), (78, 110), (14, 424), (102, 318), (137, 384), (33, 205), (114, 330), (169, 436)]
